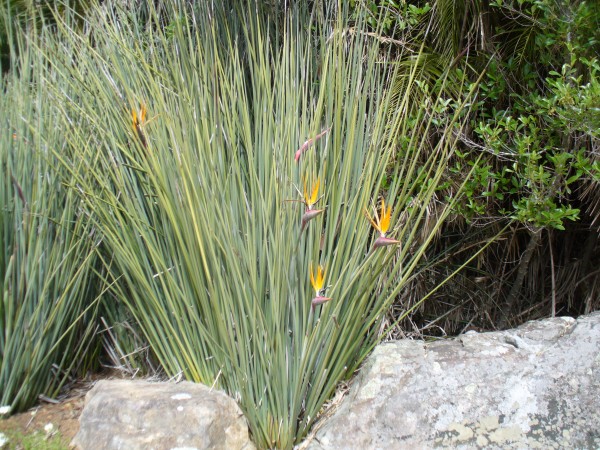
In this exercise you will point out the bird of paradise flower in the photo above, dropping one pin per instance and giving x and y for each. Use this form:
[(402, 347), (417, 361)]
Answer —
[(318, 281), (309, 200), (138, 122), (381, 222)]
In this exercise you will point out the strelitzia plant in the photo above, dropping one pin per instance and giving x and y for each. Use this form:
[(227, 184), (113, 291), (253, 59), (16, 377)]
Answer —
[(197, 233), (381, 222)]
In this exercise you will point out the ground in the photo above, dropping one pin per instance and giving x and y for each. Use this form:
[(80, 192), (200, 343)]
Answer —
[(27, 430), (30, 430)]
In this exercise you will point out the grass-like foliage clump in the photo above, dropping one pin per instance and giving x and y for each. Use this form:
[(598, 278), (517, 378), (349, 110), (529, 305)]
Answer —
[(257, 194), (47, 245)]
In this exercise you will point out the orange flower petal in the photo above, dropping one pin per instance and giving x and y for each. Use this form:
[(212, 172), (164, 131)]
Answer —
[(386, 215), (315, 193), (320, 277), (138, 119), (318, 281), (312, 199), (134, 120)]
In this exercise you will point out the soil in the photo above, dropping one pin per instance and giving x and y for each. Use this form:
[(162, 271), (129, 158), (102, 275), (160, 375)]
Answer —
[(64, 417)]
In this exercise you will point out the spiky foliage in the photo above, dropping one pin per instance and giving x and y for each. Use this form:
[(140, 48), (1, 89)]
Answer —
[(182, 144), (46, 245)]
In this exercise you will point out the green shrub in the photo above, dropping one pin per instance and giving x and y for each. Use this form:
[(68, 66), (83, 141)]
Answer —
[(530, 147)]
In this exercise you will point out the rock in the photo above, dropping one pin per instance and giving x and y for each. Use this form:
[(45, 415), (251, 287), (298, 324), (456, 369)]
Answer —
[(537, 386), (4, 441), (139, 415)]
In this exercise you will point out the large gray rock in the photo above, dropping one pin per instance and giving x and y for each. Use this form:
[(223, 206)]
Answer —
[(537, 386), (138, 415)]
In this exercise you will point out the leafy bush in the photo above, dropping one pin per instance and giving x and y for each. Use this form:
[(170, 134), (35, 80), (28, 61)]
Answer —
[(531, 148)]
